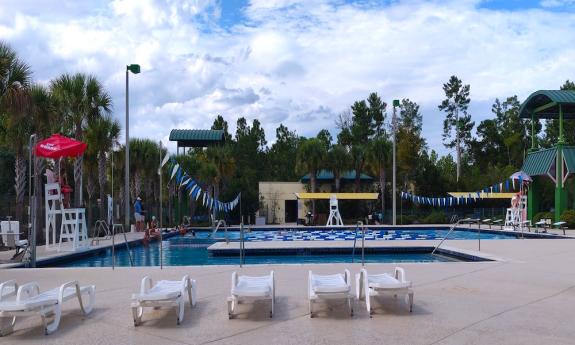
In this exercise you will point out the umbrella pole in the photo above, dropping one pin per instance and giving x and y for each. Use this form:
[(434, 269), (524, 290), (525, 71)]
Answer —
[(32, 206)]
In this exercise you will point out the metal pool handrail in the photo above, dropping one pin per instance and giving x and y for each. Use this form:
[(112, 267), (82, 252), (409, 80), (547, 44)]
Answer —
[(446, 236), (359, 223), (220, 222)]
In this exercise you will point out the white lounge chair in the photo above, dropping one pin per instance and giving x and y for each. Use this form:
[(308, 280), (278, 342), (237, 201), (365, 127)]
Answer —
[(333, 286), (29, 301), (164, 294), (371, 285), (561, 226), (246, 288)]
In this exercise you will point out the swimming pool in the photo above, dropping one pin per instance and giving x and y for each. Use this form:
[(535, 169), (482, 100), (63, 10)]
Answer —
[(191, 249)]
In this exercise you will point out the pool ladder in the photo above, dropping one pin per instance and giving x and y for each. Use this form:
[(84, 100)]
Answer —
[(453, 226), (358, 225), (220, 223)]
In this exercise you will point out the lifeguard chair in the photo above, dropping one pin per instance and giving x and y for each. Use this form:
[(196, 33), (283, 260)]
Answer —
[(73, 228), (334, 214), (516, 216)]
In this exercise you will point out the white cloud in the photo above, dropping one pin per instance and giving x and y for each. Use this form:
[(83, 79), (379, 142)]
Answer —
[(294, 62)]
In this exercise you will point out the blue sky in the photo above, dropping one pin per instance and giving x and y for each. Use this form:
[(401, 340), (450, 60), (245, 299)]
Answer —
[(296, 62)]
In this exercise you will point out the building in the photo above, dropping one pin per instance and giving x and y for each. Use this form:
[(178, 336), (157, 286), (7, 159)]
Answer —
[(279, 203)]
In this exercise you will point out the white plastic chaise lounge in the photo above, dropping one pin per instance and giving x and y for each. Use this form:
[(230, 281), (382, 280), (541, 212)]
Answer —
[(164, 294), (330, 287), (29, 301), (371, 285), (247, 288)]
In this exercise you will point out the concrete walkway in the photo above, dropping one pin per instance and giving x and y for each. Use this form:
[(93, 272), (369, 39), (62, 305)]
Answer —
[(526, 299)]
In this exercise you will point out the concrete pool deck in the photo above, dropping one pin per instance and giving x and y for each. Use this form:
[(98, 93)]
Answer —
[(527, 298)]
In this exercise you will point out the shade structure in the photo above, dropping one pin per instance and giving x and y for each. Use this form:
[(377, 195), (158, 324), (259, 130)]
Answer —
[(58, 146), (339, 196)]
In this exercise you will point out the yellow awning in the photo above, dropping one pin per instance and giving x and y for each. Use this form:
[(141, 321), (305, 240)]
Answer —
[(339, 196), (483, 195)]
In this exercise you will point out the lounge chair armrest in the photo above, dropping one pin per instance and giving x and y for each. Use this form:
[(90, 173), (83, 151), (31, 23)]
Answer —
[(27, 291), (4, 286), (67, 285), (400, 274), (234, 279), (186, 282), (146, 285), (347, 277)]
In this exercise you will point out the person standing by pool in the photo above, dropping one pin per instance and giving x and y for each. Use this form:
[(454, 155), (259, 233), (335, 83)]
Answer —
[(138, 214)]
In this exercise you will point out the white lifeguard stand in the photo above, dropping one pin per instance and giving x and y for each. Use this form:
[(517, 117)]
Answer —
[(515, 217), (73, 228), (334, 214)]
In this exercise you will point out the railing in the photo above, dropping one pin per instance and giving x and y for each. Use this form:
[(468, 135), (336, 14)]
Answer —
[(120, 226), (446, 236), (359, 223), (242, 244), (220, 223)]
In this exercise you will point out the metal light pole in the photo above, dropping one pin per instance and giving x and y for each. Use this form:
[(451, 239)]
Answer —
[(134, 69), (394, 127)]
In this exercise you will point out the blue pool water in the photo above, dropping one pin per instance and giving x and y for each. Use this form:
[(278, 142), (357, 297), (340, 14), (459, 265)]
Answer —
[(192, 248), (350, 234)]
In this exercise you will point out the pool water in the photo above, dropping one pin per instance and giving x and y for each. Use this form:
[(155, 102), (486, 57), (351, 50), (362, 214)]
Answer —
[(184, 256), (191, 249), (349, 235)]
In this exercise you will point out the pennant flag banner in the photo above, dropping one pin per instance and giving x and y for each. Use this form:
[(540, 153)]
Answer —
[(188, 183), (507, 186)]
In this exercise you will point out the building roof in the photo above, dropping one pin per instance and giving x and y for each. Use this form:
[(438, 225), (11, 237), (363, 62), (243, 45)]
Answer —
[(339, 196), (539, 162), (544, 104), (197, 137), (569, 156), (327, 175)]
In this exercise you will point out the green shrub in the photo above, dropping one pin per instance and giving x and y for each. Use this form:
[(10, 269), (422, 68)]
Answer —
[(407, 219), (436, 217), (568, 216), (542, 215)]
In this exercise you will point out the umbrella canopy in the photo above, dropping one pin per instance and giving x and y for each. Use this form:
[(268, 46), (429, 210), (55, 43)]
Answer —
[(58, 146), (521, 176)]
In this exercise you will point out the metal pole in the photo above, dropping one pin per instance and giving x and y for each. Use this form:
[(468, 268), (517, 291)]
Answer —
[(394, 125), (113, 247), (127, 162), (31, 206), (160, 215)]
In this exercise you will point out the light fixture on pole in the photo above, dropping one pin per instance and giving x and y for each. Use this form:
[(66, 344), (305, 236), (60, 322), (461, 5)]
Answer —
[(394, 128), (134, 68)]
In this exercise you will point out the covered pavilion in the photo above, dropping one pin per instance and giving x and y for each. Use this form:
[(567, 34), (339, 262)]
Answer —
[(556, 163)]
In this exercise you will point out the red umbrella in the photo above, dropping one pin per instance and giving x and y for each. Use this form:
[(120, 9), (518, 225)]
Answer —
[(58, 146)]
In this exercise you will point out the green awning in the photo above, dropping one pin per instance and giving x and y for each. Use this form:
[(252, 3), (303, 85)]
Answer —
[(197, 137), (539, 163), (569, 156), (545, 104), (327, 175)]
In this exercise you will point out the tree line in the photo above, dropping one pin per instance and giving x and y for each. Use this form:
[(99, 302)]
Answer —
[(78, 105)]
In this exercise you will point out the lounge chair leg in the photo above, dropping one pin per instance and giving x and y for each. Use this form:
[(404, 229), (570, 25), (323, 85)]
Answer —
[(231, 308), (310, 309), (180, 310), (49, 328), (137, 313), (410, 296), (350, 307)]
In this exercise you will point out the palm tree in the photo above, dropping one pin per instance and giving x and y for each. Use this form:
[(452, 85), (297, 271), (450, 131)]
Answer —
[(310, 158), (358, 156), (339, 162), (225, 164), (79, 98), (378, 154), (15, 77), (102, 136)]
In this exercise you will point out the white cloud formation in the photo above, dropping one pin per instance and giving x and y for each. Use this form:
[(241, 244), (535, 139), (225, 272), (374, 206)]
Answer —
[(291, 61)]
